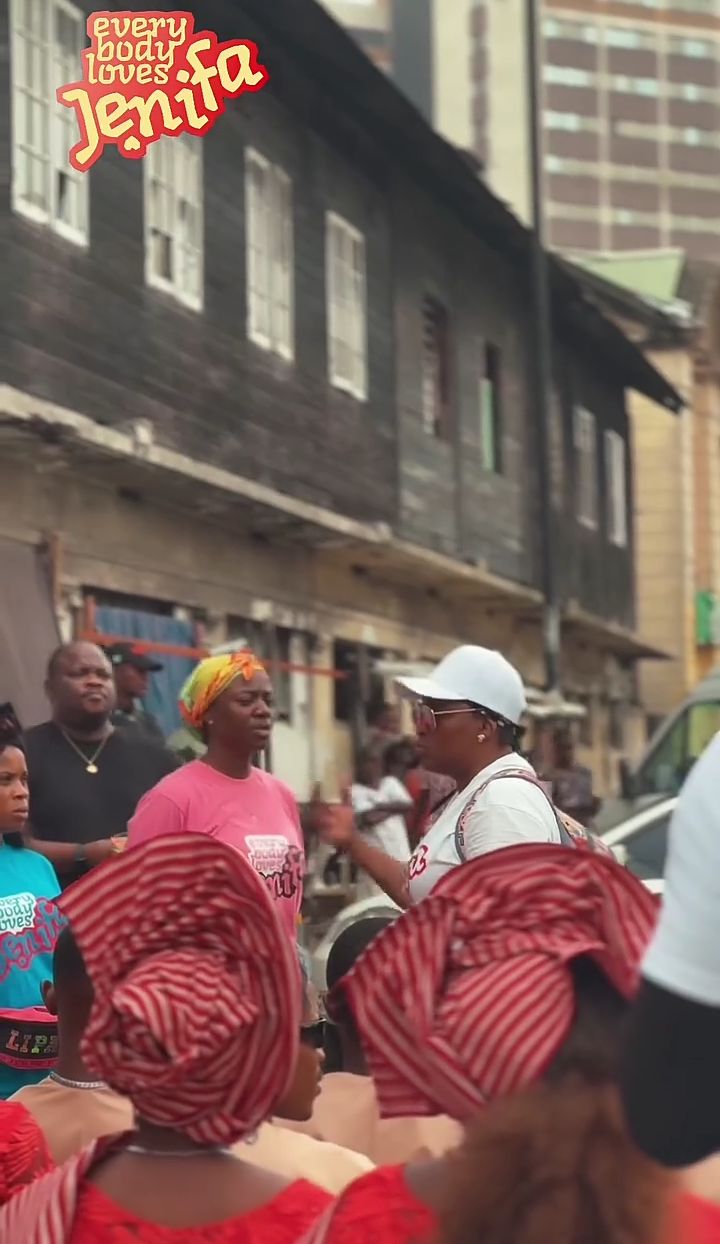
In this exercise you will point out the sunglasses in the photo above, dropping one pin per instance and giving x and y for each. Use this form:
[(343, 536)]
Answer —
[(313, 1035), (425, 717)]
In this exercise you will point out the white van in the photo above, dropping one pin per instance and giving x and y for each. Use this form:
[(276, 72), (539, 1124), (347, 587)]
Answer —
[(670, 754)]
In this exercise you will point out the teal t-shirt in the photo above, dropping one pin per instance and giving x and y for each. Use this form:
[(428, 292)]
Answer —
[(29, 927)]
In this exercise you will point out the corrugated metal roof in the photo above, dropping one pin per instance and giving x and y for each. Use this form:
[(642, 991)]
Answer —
[(652, 274)]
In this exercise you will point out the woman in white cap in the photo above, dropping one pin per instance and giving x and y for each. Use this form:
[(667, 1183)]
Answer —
[(467, 717)]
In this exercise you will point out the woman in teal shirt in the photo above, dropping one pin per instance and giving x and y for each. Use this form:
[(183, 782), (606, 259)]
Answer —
[(29, 926)]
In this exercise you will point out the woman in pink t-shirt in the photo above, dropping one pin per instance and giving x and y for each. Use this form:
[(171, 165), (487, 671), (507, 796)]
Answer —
[(228, 703)]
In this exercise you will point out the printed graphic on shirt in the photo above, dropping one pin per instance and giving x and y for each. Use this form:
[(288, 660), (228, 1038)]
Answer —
[(16, 912), (28, 1040), (28, 927), (278, 863), (418, 862)]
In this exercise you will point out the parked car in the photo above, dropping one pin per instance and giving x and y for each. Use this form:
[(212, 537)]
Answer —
[(669, 755), (640, 842)]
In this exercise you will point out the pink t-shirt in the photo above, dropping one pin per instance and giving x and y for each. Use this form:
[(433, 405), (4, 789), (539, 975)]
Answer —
[(257, 814)]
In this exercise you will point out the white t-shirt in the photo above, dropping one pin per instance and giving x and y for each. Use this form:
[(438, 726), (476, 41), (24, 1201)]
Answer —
[(511, 811), (389, 835), (684, 955)]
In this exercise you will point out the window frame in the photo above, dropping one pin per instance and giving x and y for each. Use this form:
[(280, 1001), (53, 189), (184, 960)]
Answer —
[(585, 441), (54, 156), (657, 832), (616, 498), (275, 221), (354, 385), (193, 300)]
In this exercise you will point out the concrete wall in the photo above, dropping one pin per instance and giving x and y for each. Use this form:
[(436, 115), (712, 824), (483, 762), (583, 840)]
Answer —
[(664, 534), (502, 75), (452, 51)]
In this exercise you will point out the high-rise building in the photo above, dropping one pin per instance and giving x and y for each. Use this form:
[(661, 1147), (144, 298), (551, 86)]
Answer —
[(630, 119), (425, 46)]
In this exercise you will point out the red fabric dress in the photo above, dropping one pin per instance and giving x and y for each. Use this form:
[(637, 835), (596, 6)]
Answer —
[(282, 1221), (23, 1152), (380, 1208)]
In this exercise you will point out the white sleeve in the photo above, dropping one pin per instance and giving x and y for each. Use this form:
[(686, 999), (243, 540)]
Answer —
[(506, 817), (363, 799), (684, 955), (392, 790)]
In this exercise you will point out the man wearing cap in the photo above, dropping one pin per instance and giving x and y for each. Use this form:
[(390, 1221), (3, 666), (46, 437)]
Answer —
[(468, 715), (132, 670)]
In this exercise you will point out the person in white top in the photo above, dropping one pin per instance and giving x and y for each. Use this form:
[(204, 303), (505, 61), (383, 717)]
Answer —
[(380, 802), (467, 717), (671, 1078)]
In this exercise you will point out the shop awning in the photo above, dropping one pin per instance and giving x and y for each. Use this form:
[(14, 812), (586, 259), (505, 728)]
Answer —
[(28, 630)]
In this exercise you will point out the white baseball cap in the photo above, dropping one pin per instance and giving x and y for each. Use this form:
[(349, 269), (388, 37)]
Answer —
[(478, 675)]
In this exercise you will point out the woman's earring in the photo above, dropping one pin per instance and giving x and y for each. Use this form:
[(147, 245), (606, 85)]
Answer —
[(481, 738), (209, 721)]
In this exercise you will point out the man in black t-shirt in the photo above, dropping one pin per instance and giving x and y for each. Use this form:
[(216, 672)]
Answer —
[(86, 778)]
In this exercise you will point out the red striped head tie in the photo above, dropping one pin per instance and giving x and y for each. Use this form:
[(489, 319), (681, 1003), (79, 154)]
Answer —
[(467, 997), (197, 1004)]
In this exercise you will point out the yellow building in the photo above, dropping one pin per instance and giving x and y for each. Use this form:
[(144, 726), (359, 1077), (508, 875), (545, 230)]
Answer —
[(670, 306)]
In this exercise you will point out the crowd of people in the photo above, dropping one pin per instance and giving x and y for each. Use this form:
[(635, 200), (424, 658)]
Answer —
[(518, 1055)]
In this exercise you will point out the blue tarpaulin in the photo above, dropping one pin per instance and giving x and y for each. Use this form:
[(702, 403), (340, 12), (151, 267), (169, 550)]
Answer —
[(154, 628)]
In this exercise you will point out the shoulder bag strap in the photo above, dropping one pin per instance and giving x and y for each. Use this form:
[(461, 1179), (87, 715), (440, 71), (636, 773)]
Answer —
[(566, 838)]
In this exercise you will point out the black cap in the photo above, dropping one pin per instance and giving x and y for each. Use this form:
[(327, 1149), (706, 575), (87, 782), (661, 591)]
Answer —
[(127, 654)]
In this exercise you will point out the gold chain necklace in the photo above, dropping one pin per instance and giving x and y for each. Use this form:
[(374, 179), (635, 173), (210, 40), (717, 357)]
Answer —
[(88, 761)]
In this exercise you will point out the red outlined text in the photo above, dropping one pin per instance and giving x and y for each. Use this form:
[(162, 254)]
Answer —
[(149, 74)]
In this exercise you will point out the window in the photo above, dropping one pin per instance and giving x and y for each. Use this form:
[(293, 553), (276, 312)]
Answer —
[(347, 694), (435, 369), (667, 133), (696, 48), (174, 218), (695, 6), (617, 713), (346, 306), (675, 752), (47, 37), (586, 450), (616, 490), (646, 850), (562, 120), (269, 248), (565, 75), (621, 216), (698, 138), (638, 86), (491, 411), (553, 29), (622, 37)]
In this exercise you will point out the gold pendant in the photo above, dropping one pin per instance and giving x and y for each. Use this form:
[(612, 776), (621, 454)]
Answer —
[(91, 768)]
